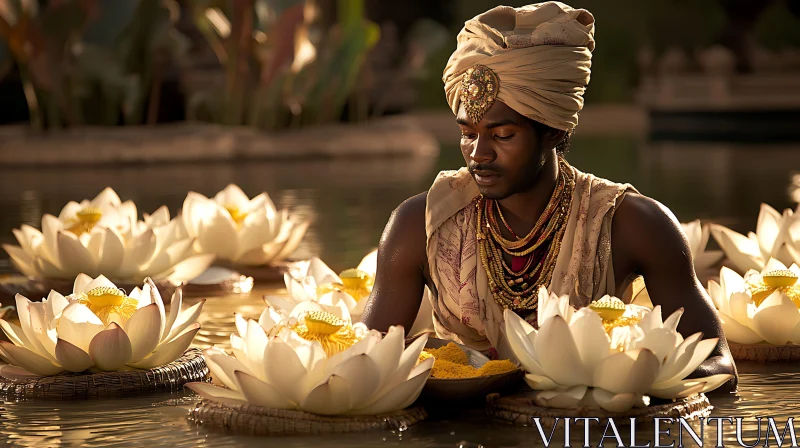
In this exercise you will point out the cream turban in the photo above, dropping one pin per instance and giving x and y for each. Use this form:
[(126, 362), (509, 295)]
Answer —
[(541, 55)]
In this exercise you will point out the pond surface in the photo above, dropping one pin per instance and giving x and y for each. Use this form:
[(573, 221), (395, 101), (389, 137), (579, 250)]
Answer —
[(350, 201)]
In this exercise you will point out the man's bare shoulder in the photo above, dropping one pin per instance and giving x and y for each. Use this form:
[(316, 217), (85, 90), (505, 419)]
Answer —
[(646, 229), (404, 238), (411, 211)]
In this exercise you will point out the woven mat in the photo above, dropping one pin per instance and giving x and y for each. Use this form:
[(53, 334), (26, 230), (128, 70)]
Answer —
[(765, 353), (75, 386), (259, 421), (520, 410)]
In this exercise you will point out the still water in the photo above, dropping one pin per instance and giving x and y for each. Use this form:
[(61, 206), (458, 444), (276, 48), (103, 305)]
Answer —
[(349, 202)]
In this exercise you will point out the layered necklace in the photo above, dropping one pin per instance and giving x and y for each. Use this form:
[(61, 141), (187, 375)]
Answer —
[(533, 256)]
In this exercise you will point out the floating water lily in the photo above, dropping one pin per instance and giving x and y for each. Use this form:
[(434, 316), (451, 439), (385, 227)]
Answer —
[(698, 234), (241, 230), (104, 236), (97, 327), (777, 236), (761, 307), (314, 280), (609, 355), (314, 359)]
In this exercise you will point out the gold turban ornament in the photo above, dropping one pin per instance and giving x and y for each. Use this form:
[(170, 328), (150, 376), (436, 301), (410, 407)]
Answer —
[(536, 59)]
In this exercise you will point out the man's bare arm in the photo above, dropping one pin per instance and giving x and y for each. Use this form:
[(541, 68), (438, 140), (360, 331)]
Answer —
[(400, 279), (647, 240)]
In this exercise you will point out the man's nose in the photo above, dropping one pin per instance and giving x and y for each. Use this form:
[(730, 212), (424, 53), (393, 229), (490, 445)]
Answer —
[(482, 150)]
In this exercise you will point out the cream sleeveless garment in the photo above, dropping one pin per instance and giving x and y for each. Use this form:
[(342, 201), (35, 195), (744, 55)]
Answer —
[(463, 307)]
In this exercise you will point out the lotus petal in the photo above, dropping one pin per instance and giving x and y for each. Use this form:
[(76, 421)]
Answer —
[(110, 349), (736, 332), (186, 318), (520, 344), (558, 354), (217, 394), (260, 393), (539, 382), (78, 325), (285, 371), (562, 399), (631, 371), (681, 389), (612, 402), (170, 351), (73, 254), (222, 367), (332, 397), (591, 339), (776, 319), (143, 330), (31, 361), (743, 252), (401, 396), (71, 357), (363, 377)]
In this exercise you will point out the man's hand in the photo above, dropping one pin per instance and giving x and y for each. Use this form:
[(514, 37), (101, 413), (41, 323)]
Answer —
[(647, 240)]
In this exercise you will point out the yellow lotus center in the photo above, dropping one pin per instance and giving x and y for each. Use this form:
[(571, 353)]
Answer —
[(332, 332), (779, 279), (323, 323), (357, 283), (237, 215), (85, 220), (609, 308), (782, 280), (620, 322), (107, 302), (354, 283)]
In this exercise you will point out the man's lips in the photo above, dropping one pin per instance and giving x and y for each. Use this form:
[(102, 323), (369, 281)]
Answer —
[(485, 177)]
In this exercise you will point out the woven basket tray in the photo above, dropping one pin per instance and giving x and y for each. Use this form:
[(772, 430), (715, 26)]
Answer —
[(765, 353), (75, 386), (259, 421), (520, 410)]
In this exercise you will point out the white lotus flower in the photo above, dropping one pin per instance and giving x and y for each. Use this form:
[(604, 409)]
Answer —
[(697, 234), (761, 307), (612, 357), (313, 280), (315, 360), (777, 236), (97, 327), (103, 236), (240, 230)]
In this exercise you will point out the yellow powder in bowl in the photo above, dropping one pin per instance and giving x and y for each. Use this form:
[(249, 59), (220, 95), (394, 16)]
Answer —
[(496, 367), (443, 368), (450, 352), (452, 362)]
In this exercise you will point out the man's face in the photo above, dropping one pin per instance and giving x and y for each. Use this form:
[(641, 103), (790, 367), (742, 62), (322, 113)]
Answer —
[(503, 152)]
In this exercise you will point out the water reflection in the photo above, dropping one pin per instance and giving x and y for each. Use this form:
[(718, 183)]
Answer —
[(350, 201)]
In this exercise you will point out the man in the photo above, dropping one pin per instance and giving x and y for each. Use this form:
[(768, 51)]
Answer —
[(484, 238)]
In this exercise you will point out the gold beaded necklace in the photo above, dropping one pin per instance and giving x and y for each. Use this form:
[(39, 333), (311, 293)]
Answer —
[(517, 288)]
